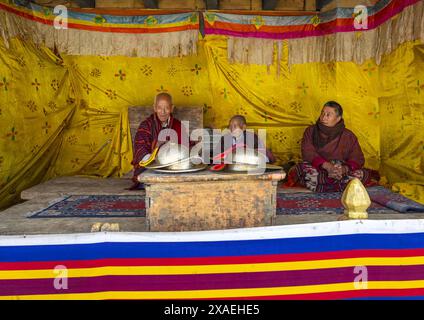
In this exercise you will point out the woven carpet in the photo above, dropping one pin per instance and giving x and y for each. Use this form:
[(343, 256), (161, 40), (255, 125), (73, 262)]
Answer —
[(94, 206), (89, 206)]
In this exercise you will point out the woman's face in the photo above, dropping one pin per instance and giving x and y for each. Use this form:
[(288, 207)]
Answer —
[(329, 117)]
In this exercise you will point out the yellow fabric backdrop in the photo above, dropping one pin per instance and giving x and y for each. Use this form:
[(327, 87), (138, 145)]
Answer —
[(68, 115)]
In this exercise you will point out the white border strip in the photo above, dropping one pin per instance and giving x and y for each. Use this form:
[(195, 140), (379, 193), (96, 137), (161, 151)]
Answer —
[(274, 232)]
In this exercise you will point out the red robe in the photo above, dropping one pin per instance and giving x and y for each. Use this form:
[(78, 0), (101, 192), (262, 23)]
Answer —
[(345, 148), (257, 144), (147, 135)]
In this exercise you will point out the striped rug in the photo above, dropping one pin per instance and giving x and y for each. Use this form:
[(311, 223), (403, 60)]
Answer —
[(335, 260)]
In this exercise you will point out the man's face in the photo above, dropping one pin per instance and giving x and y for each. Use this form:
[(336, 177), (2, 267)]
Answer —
[(163, 109), (236, 128), (329, 117)]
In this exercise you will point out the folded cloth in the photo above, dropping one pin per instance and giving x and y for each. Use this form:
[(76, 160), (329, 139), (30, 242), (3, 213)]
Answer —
[(393, 200)]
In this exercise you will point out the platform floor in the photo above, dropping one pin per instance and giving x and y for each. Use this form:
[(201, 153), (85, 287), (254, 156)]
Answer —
[(14, 221)]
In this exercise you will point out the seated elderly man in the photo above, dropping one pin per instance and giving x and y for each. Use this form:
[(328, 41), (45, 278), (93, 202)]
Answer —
[(239, 136), (146, 138), (331, 155)]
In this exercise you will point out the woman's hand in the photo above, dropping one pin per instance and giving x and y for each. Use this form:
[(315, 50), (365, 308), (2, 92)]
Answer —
[(338, 171), (335, 171), (328, 166)]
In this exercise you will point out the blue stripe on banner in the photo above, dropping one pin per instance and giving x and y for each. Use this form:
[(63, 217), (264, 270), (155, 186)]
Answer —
[(338, 13), (324, 17), (117, 250), (135, 20), (114, 19)]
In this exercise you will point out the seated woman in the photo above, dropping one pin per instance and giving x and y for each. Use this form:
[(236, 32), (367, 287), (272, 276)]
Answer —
[(331, 155)]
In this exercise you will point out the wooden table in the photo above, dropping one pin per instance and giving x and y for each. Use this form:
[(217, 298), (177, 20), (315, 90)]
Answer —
[(207, 200)]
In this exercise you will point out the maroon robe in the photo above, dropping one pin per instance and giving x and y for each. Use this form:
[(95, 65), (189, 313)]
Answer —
[(344, 148), (146, 138), (257, 144)]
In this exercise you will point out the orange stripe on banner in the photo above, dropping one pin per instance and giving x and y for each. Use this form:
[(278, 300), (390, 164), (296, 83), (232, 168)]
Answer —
[(189, 26)]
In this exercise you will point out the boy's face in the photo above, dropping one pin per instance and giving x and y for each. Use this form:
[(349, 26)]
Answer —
[(236, 128)]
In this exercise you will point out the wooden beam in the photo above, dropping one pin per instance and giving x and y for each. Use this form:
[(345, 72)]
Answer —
[(322, 3), (310, 5), (119, 4), (212, 4), (86, 3), (240, 4), (269, 4), (151, 4)]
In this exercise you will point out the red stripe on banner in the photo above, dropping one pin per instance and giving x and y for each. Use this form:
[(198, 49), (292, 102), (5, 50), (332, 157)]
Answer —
[(359, 293), (306, 30), (289, 279), (133, 30), (212, 260), (280, 29)]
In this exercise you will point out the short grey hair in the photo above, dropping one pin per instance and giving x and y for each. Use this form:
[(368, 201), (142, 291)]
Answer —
[(240, 119), (163, 95)]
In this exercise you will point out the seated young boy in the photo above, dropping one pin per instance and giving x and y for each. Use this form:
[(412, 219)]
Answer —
[(240, 136)]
